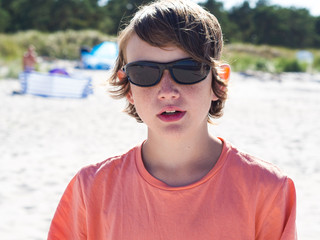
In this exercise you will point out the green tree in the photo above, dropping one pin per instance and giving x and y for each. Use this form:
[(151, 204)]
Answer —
[(269, 26), (28, 14), (52, 15), (301, 28), (290, 27), (317, 32), (263, 24), (262, 3), (216, 8), (67, 14), (242, 16), (119, 12), (4, 19)]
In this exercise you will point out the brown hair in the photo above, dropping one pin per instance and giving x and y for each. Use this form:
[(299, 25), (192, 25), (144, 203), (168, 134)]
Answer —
[(174, 22)]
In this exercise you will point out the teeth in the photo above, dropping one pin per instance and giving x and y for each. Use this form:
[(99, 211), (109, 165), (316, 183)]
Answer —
[(170, 111)]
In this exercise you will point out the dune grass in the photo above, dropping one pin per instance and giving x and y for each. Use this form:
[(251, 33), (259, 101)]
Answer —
[(58, 45), (62, 44), (66, 45), (243, 57)]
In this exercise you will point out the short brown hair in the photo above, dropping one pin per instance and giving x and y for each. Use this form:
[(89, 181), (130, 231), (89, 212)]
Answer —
[(181, 23)]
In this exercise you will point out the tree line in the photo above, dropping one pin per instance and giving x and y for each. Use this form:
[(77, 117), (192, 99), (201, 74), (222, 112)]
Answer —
[(262, 24)]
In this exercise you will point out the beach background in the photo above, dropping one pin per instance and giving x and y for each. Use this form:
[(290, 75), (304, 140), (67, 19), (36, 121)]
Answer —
[(45, 141)]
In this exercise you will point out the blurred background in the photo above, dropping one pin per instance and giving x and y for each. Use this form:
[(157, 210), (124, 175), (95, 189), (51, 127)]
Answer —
[(273, 109), (259, 35)]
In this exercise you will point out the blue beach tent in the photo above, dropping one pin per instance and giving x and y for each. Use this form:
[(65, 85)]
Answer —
[(102, 56)]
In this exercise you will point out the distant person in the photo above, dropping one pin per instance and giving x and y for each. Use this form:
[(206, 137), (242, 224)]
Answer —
[(30, 59), (181, 183)]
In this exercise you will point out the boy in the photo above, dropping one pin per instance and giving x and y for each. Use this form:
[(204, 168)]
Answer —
[(181, 183)]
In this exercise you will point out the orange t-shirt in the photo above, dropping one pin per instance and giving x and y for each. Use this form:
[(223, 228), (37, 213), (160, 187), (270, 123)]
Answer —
[(241, 198)]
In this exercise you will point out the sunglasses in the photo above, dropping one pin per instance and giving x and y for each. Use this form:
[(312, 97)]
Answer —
[(183, 71)]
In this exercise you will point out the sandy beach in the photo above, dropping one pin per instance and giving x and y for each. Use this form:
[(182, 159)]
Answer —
[(45, 141)]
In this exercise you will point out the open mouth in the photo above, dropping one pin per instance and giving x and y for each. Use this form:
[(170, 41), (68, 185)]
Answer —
[(170, 112), (171, 115)]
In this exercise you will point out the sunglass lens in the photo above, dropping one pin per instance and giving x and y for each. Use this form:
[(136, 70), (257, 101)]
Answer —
[(143, 75), (190, 72)]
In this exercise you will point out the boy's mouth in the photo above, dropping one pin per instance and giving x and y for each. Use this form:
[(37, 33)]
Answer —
[(170, 112)]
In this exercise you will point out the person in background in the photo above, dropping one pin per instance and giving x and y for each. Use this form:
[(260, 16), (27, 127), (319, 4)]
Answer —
[(30, 59), (182, 182)]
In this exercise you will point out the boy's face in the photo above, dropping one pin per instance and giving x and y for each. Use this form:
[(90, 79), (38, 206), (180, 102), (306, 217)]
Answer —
[(168, 107)]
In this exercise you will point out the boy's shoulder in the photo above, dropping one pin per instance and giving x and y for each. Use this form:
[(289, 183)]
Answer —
[(252, 167), (110, 166)]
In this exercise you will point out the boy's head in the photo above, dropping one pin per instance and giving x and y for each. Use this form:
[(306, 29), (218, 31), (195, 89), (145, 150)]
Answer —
[(181, 23)]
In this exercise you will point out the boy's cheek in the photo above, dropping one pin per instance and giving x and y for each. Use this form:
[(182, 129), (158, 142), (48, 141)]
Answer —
[(214, 97), (130, 97)]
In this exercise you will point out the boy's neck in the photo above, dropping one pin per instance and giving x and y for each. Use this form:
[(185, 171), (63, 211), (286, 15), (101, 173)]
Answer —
[(180, 162)]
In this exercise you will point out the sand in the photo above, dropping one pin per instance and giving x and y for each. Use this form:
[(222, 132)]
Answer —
[(45, 141)]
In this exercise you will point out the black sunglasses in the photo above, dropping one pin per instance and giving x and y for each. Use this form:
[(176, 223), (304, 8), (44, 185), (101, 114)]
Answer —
[(183, 71)]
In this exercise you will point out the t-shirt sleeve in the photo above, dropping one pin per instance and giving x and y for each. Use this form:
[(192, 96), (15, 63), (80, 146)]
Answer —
[(280, 220), (69, 219)]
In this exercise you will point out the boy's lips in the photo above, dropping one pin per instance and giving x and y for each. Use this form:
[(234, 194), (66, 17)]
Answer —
[(171, 114)]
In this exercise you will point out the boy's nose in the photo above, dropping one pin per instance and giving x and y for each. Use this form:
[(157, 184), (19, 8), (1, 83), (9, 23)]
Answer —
[(167, 87)]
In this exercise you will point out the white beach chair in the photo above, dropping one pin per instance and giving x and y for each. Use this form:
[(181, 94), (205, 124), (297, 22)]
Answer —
[(55, 85)]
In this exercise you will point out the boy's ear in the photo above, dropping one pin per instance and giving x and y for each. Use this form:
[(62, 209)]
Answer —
[(121, 74), (224, 72)]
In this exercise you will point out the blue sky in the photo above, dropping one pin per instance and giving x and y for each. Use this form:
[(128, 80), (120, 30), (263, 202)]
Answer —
[(312, 5)]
